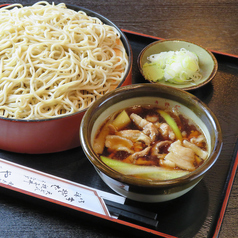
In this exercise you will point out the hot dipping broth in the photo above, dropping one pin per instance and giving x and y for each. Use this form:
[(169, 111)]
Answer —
[(151, 142)]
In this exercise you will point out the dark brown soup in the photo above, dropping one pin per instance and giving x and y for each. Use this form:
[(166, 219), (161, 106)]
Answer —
[(149, 136)]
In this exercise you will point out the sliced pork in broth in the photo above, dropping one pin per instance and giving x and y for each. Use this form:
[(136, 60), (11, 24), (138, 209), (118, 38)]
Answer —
[(149, 136)]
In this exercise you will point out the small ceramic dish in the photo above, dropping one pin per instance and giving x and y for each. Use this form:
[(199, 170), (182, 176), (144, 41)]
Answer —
[(147, 190), (207, 62)]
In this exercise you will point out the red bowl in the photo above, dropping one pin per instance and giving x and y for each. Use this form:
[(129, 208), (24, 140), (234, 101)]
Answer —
[(52, 135)]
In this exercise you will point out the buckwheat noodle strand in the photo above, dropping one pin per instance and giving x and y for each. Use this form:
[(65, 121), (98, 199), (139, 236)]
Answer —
[(55, 61)]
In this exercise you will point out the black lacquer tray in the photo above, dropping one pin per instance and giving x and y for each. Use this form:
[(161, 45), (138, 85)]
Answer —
[(198, 213)]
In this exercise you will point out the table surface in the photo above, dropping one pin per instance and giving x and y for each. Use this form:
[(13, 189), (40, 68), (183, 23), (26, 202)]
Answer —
[(212, 24)]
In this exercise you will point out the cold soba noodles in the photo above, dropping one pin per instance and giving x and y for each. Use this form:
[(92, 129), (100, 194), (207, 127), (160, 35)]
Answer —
[(152, 143), (55, 61)]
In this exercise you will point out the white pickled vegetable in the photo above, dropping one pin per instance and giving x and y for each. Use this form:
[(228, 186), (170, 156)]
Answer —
[(177, 67)]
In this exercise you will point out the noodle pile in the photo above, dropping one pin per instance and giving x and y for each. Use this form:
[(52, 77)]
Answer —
[(55, 61)]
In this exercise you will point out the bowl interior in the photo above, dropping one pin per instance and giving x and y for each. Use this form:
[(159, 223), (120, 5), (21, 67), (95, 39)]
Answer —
[(150, 100), (207, 61), (154, 95)]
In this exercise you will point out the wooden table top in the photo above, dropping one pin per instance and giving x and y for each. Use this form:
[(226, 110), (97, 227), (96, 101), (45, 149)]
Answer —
[(212, 24)]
